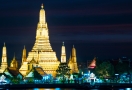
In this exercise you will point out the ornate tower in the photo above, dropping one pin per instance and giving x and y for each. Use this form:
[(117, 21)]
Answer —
[(24, 55), (24, 65), (42, 48), (4, 58), (73, 61), (63, 54)]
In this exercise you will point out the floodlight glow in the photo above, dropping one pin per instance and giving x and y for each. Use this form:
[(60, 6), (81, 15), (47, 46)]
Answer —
[(128, 88), (47, 77), (57, 89), (2, 79)]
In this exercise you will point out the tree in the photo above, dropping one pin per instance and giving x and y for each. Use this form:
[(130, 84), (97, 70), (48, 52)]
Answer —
[(63, 70), (105, 69), (15, 80), (121, 68)]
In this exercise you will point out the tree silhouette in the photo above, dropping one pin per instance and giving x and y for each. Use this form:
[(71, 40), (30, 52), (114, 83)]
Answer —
[(63, 70), (105, 69), (122, 67)]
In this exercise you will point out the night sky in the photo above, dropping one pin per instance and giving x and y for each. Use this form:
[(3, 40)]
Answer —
[(101, 28)]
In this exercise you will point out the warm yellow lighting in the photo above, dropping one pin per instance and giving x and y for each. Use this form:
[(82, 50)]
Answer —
[(63, 54), (42, 50), (4, 60), (73, 62), (42, 6), (14, 63)]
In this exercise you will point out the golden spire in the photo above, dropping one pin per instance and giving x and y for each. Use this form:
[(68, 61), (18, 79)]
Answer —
[(42, 6), (73, 52), (42, 17), (63, 54), (4, 57), (24, 54)]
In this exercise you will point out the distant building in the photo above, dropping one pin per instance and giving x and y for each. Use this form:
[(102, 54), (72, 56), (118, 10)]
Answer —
[(92, 64), (122, 60)]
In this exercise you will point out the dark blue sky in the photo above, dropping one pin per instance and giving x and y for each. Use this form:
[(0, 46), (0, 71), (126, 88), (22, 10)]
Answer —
[(101, 28)]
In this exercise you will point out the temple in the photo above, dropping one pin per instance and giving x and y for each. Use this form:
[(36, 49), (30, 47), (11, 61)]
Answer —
[(41, 56), (42, 51)]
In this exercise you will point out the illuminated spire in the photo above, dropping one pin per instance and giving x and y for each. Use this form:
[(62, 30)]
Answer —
[(42, 6), (24, 54), (42, 15), (73, 61), (63, 43), (63, 54), (4, 58), (4, 51), (74, 52)]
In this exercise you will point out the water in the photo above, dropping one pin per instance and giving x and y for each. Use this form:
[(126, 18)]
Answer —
[(48, 89), (68, 89), (52, 89), (74, 89)]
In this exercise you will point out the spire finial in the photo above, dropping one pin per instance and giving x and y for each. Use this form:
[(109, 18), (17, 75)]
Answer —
[(42, 6), (14, 56), (4, 44), (63, 43), (24, 46), (73, 46)]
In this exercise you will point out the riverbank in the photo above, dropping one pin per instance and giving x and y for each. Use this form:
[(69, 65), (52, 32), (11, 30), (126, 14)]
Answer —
[(75, 86)]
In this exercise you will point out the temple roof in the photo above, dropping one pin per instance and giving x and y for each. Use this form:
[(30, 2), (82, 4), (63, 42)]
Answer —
[(40, 71), (36, 72), (93, 63), (33, 61), (13, 71)]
